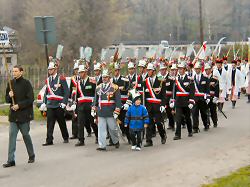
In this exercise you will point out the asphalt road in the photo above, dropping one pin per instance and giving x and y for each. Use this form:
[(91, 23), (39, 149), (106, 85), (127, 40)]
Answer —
[(188, 162)]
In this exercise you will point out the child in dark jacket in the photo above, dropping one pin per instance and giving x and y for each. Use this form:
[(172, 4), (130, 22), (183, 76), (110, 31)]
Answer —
[(136, 119)]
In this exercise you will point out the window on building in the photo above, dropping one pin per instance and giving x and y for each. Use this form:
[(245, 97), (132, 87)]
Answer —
[(8, 60)]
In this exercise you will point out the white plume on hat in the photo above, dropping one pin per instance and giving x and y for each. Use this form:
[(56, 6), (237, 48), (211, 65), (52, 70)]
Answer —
[(82, 68), (142, 63), (150, 66), (174, 66), (197, 65), (162, 66), (52, 65), (207, 66), (131, 65), (117, 66), (182, 64), (105, 73), (97, 66), (76, 65)]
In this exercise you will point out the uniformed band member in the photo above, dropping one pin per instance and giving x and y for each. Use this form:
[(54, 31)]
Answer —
[(202, 98), (73, 85), (123, 84), (168, 81), (98, 73), (107, 104), (155, 104), (182, 100), (56, 97), (132, 77), (214, 94), (142, 66), (85, 96), (221, 73)]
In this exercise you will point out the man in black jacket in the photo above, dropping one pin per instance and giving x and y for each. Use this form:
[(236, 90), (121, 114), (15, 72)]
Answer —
[(21, 97)]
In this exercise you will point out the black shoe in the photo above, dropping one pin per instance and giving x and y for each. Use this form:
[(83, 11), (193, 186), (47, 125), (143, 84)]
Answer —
[(206, 128), (177, 138), (9, 164), (196, 131), (111, 144), (117, 145), (48, 143), (80, 143), (148, 144), (66, 141), (89, 135), (163, 140), (215, 125), (101, 149), (73, 137), (129, 142), (190, 134), (31, 159)]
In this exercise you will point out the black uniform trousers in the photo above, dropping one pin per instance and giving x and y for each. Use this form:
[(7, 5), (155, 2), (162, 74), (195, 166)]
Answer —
[(213, 111), (155, 117), (74, 126), (170, 117), (53, 115), (136, 137), (200, 106), (85, 119), (183, 112)]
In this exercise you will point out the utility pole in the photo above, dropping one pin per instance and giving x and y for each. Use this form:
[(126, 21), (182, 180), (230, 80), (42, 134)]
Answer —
[(201, 23)]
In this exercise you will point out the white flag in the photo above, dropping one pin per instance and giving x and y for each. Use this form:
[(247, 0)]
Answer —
[(59, 52)]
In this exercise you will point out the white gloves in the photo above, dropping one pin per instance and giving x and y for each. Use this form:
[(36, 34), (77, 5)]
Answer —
[(115, 115), (190, 106), (43, 107), (93, 113), (125, 106), (207, 101), (215, 100), (62, 105), (73, 107), (162, 109), (171, 103)]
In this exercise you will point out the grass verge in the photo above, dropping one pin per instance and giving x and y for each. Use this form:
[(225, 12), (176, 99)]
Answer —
[(239, 178), (4, 111)]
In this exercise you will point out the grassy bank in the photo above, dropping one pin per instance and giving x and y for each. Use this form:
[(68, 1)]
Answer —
[(240, 178), (4, 111)]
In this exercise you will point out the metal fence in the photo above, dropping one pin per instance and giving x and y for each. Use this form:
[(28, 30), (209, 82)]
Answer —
[(35, 75)]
